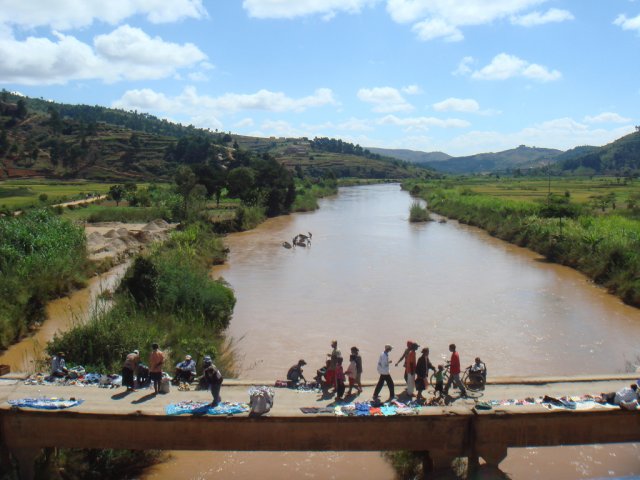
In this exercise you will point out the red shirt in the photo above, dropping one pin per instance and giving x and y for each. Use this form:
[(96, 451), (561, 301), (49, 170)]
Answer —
[(410, 363), (455, 363)]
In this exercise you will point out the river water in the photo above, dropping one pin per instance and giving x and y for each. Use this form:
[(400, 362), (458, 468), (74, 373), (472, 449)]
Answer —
[(370, 278)]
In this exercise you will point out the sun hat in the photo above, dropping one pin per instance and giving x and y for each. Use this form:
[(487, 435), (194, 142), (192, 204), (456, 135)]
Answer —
[(187, 357)]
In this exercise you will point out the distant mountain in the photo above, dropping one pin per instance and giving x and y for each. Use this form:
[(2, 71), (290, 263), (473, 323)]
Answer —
[(521, 157), (620, 157), (413, 156)]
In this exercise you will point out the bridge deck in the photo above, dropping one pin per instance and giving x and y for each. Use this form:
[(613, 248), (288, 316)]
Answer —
[(110, 419)]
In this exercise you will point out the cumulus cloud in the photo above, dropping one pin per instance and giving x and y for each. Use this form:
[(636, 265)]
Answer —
[(444, 18), (464, 67), (68, 14), (191, 102), (628, 23), (423, 123), (504, 66), (457, 105), (607, 117), (384, 99), (553, 15), (125, 53), (560, 133), (301, 8)]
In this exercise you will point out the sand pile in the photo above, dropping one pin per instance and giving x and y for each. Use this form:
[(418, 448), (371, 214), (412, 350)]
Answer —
[(119, 240)]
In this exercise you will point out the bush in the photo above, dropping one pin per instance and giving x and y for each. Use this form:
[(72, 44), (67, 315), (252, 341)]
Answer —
[(418, 213)]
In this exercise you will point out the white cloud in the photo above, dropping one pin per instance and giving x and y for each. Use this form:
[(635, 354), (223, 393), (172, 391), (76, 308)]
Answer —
[(607, 117), (628, 23), (435, 28), (301, 8), (464, 67), (457, 105), (125, 53), (423, 123), (561, 133), (384, 99), (553, 15), (68, 14), (412, 90), (190, 102), (444, 18), (355, 125), (504, 66)]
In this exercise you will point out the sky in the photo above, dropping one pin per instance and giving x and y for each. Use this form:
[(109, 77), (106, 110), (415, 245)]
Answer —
[(458, 76)]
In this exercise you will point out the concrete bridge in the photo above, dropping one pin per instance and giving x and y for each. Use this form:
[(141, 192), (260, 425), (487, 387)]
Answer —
[(113, 419)]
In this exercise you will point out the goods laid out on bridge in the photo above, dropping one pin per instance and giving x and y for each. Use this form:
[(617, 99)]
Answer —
[(190, 407), (367, 409), (45, 403)]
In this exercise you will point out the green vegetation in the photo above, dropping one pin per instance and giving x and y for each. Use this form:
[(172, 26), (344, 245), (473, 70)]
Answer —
[(308, 192), (606, 247), (41, 256), (22, 194), (167, 297), (418, 213)]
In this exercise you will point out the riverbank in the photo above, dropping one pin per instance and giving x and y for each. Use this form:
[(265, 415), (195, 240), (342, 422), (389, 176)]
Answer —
[(604, 247)]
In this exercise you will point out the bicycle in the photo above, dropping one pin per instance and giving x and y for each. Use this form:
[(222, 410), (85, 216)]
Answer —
[(474, 380)]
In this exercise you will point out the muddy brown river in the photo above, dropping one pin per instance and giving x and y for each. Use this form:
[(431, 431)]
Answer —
[(370, 278)]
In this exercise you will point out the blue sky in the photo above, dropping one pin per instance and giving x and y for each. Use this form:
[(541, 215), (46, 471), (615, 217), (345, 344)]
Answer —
[(459, 76)]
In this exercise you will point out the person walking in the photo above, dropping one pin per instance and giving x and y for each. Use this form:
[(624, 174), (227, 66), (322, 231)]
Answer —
[(330, 376), (339, 379), (410, 369), (129, 368), (156, 360), (422, 372), (454, 372), (354, 371), (383, 370), (214, 380)]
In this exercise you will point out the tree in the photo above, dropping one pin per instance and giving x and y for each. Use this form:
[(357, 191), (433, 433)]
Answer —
[(21, 112), (241, 184), (213, 178), (116, 192)]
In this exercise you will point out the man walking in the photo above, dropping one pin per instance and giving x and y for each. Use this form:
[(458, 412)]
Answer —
[(454, 372), (383, 370)]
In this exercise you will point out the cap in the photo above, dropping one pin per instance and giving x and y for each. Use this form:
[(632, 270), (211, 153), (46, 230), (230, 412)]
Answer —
[(388, 347), (187, 357), (136, 352), (355, 349), (302, 362)]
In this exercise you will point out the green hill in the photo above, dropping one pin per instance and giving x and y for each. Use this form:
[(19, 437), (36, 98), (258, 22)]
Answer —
[(413, 156), (621, 157), (521, 157), (43, 138)]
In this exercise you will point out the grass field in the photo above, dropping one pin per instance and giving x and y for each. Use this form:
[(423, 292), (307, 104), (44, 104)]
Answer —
[(17, 194), (581, 190)]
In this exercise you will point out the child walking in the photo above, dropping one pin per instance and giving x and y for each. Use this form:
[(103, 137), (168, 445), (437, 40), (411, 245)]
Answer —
[(439, 374), (339, 379)]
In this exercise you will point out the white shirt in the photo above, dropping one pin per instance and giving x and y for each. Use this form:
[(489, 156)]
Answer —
[(383, 364), (627, 394)]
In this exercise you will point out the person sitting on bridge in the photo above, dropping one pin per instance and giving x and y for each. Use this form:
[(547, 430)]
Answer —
[(294, 375), (626, 397), (59, 366), (185, 371), (478, 372)]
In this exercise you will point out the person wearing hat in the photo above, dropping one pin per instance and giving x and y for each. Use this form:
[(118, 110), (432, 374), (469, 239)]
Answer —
[(294, 375), (385, 376), (185, 371), (59, 366), (130, 366), (422, 372)]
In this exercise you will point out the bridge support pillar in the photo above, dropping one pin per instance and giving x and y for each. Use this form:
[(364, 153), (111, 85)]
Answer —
[(493, 454), (26, 458), (436, 465)]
